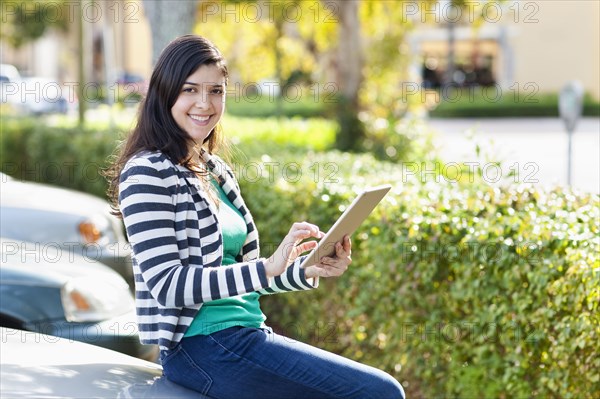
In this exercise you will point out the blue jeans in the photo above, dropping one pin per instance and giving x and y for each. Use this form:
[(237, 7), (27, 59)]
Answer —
[(251, 363)]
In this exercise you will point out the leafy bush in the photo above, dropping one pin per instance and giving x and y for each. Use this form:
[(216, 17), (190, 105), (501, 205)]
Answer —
[(495, 102), (459, 290), (69, 157), (256, 133), (74, 157), (396, 140)]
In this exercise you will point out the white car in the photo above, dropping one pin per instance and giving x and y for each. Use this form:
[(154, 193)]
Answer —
[(34, 95), (39, 96), (57, 218), (34, 365), (9, 81), (64, 295), (9, 73)]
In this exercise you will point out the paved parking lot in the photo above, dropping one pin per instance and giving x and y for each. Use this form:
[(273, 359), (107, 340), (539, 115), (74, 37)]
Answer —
[(534, 148)]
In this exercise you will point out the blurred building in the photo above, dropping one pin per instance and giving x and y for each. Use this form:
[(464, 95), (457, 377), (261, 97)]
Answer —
[(524, 47), (116, 41)]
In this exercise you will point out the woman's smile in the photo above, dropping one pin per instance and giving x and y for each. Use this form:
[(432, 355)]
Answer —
[(200, 120), (200, 103)]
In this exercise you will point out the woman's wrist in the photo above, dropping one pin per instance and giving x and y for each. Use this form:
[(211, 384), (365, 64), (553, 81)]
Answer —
[(308, 273), (268, 264)]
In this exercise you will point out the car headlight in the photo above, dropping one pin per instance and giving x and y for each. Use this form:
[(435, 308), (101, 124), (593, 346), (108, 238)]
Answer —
[(89, 299), (96, 230)]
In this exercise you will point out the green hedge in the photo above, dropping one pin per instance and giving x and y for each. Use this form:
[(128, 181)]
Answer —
[(461, 290), (457, 289), (64, 156), (494, 103), (74, 157)]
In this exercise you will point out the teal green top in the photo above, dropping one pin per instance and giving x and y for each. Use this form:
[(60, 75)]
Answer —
[(242, 310)]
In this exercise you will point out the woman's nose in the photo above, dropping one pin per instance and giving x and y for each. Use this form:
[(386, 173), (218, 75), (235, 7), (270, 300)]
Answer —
[(202, 101)]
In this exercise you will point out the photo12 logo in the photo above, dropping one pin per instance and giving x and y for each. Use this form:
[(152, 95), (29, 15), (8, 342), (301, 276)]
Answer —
[(525, 93), (70, 11), (269, 11), (269, 90), (454, 172), (470, 11), (290, 172)]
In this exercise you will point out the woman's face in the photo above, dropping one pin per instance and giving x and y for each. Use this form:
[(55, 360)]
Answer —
[(201, 102)]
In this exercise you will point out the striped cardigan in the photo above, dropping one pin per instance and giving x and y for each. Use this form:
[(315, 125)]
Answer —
[(178, 247)]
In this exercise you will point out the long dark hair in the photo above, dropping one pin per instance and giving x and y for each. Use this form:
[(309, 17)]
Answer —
[(155, 128)]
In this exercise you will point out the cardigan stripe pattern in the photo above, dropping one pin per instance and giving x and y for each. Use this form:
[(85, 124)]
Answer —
[(178, 247)]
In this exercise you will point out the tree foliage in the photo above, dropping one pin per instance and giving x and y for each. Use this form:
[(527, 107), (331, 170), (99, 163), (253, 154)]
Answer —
[(321, 41), (25, 21), (248, 32)]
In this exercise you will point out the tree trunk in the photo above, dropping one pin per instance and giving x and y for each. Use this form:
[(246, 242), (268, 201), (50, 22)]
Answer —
[(169, 19), (349, 52), (349, 62)]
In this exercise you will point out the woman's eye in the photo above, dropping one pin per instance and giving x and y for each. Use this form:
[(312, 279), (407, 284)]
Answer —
[(189, 90), (217, 91)]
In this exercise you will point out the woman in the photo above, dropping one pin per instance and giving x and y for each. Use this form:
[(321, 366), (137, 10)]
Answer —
[(198, 274)]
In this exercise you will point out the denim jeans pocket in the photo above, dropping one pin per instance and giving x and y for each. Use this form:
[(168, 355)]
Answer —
[(181, 368)]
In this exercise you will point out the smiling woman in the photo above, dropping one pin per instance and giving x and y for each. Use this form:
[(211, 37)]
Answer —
[(198, 271)]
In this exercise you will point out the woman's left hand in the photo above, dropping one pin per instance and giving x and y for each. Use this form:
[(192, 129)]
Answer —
[(333, 266)]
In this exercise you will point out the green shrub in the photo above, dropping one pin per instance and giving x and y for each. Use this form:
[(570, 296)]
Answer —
[(256, 133), (73, 157), (493, 102), (397, 140), (64, 156), (459, 290)]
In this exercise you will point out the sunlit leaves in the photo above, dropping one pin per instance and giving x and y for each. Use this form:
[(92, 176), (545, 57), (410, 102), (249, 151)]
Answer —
[(459, 289)]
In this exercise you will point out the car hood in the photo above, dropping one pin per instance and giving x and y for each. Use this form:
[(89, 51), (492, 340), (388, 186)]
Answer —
[(21, 194), (43, 366), (49, 265)]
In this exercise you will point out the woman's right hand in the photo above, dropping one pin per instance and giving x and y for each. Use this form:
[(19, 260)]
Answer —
[(290, 248)]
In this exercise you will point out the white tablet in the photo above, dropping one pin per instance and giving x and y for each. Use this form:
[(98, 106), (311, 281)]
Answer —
[(352, 217)]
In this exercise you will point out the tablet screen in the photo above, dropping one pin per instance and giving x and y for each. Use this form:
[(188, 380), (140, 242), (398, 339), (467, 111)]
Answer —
[(352, 217)]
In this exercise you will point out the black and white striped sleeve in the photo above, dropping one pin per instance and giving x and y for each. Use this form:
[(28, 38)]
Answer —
[(147, 202), (293, 279)]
